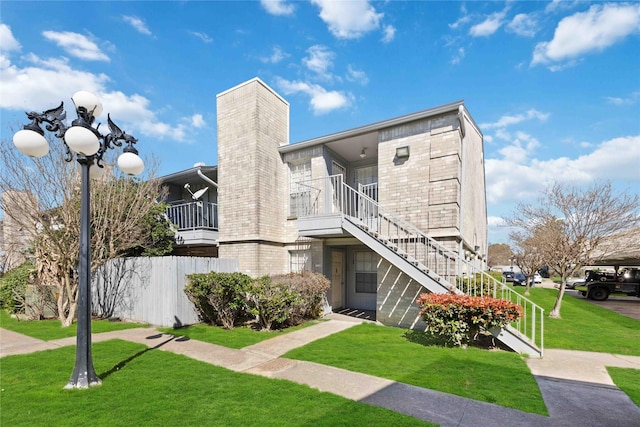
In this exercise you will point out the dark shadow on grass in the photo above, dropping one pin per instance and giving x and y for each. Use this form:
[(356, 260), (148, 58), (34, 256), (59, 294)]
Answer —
[(483, 341), (425, 338), (118, 366)]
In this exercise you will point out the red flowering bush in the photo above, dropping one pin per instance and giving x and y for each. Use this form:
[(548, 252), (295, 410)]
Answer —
[(460, 318)]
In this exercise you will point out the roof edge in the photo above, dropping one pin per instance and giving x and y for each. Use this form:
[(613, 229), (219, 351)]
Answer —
[(257, 80), (453, 106)]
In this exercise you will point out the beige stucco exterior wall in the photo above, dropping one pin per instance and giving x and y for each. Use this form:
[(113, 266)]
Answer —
[(253, 121)]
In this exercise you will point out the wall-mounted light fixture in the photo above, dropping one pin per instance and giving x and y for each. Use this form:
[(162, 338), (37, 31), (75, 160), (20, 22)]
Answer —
[(363, 153), (402, 152)]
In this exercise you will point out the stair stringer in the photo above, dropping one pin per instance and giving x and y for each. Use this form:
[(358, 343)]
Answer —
[(507, 335), (433, 284)]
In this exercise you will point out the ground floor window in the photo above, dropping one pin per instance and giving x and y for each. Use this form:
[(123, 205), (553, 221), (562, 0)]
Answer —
[(366, 272), (299, 261)]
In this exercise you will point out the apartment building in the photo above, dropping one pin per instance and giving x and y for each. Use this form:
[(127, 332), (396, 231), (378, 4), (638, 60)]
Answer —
[(385, 211)]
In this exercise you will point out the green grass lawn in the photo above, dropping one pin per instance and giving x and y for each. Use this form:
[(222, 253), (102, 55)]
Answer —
[(628, 380), (497, 377), (50, 329), (238, 337), (585, 326), (146, 387)]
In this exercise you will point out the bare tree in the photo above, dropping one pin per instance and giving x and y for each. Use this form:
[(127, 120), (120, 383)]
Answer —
[(50, 215), (528, 256), (569, 225)]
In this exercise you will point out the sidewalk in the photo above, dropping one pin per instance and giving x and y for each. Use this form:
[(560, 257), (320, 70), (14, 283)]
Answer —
[(576, 393)]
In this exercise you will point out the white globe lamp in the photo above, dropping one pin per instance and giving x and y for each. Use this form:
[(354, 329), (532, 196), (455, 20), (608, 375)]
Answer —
[(82, 140), (130, 163), (89, 101), (31, 143)]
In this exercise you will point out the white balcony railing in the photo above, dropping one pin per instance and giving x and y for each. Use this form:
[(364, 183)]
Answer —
[(194, 215)]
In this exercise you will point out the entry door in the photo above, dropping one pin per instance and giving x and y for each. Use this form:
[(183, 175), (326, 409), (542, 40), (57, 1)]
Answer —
[(337, 279)]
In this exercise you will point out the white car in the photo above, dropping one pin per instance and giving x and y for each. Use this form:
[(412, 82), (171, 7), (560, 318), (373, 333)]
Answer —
[(537, 278)]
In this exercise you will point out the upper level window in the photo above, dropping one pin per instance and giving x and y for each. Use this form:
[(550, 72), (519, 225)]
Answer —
[(299, 188)]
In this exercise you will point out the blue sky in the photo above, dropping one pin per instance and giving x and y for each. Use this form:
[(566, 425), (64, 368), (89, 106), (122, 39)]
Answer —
[(554, 86)]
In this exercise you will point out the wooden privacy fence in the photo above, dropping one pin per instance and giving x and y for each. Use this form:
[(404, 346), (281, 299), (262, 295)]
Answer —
[(151, 289)]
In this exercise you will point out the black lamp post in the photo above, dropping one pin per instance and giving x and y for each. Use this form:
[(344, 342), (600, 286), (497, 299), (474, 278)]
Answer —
[(84, 143)]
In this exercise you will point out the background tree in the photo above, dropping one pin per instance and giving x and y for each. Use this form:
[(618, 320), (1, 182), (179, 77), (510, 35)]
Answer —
[(499, 254), (569, 225), (124, 212), (528, 256)]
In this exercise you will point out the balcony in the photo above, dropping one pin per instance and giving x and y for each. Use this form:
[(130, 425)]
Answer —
[(196, 222)]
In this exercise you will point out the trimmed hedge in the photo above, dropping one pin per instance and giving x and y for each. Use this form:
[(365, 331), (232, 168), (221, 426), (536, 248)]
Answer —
[(219, 297), (460, 318), (229, 299)]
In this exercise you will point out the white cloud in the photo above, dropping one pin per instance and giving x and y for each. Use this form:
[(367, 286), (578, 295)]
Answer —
[(389, 33), (358, 76), (197, 121), (76, 45), (585, 32), (138, 24), (495, 221), (523, 25), (459, 56), (508, 120), (489, 26), (277, 7), (630, 100), (277, 55), (463, 20), (512, 181), (520, 149), (202, 36), (349, 19), (43, 83), (320, 61), (322, 101), (7, 42)]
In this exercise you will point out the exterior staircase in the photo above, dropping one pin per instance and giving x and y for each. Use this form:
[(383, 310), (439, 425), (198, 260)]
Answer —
[(334, 205)]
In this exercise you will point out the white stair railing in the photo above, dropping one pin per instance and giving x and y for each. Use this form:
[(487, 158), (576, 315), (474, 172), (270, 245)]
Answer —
[(332, 196)]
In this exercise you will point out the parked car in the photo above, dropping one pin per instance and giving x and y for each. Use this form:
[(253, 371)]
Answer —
[(537, 278), (508, 275), (572, 282), (519, 279)]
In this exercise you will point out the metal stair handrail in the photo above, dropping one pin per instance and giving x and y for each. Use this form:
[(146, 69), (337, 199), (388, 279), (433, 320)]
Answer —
[(432, 257)]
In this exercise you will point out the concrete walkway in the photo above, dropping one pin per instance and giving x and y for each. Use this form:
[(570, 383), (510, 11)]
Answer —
[(575, 385)]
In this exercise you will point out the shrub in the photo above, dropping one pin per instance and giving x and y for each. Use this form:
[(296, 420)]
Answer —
[(270, 302), (311, 288), (478, 284), (460, 318), (13, 286), (219, 297)]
